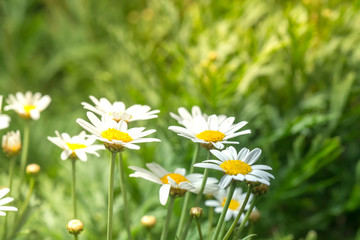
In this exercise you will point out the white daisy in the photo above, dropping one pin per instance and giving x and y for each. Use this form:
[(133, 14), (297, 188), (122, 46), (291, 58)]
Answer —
[(6, 200), (27, 105), (119, 112), (210, 133), (76, 146), (176, 183), (11, 143), (4, 119), (115, 135), (238, 166), (235, 204)]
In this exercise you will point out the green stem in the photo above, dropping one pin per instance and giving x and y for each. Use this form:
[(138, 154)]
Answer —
[(211, 217), (197, 201), (73, 187), (184, 210), (222, 230), (199, 229), (75, 237), (168, 217), (239, 213), (23, 209), (237, 234), (25, 149), (148, 234), (111, 196), (226, 206), (124, 194), (11, 174)]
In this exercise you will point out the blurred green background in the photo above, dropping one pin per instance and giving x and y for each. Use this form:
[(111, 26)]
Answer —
[(289, 68)]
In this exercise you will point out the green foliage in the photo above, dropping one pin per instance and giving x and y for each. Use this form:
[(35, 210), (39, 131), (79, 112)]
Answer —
[(289, 68)]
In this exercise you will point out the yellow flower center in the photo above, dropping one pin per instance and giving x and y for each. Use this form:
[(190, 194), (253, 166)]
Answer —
[(113, 134), (234, 167), (74, 146), (233, 204), (174, 176), (28, 108), (211, 136)]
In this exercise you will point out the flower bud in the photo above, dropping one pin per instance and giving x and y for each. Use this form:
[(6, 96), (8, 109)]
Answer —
[(32, 169), (254, 216), (148, 221), (75, 226), (260, 189), (11, 143), (196, 212)]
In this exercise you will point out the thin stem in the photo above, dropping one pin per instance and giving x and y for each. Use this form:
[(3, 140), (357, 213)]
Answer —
[(199, 228), (211, 217), (222, 230), (25, 149), (75, 237), (23, 209), (168, 217), (11, 174), (197, 201), (242, 225), (226, 206), (111, 196), (74, 186), (124, 194), (187, 195), (148, 234), (239, 213)]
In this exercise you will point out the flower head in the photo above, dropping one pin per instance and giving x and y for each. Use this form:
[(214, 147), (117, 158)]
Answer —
[(75, 226), (33, 169), (212, 132), (148, 221), (235, 204), (4, 119), (11, 143), (115, 135), (175, 183), (28, 105), (238, 166), (4, 201), (76, 146), (117, 111)]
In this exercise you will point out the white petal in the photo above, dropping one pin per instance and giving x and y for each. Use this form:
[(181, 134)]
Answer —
[(164, 193)]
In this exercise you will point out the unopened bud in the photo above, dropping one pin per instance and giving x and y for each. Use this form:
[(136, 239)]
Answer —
[(196, 212), (75, 226), (32, 169), (148, 221), (254, 215), (260, 189)]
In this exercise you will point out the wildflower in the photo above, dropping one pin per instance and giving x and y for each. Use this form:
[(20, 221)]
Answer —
[(115, 135), (28, 105), (4, 201), (117, 111), (210, 133), (175, 183), (235, 203), (75, 226), (148, 221), (76, 146), (196, 212), (4, 119), (238, 166), (11, 143)]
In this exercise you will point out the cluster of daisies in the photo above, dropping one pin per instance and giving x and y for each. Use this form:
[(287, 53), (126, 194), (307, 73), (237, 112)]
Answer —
[(110, 123)]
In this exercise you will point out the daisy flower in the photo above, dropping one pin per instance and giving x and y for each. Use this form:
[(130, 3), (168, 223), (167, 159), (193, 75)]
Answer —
[(238, 166), (235, 204), (4, 119), (115, 135), (4, 201), (119, 112), (27, 105), (175, 183), (76, 146), (11, 143), (211, 132)]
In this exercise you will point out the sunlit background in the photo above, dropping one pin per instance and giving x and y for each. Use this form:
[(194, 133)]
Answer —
[(289, 68)]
